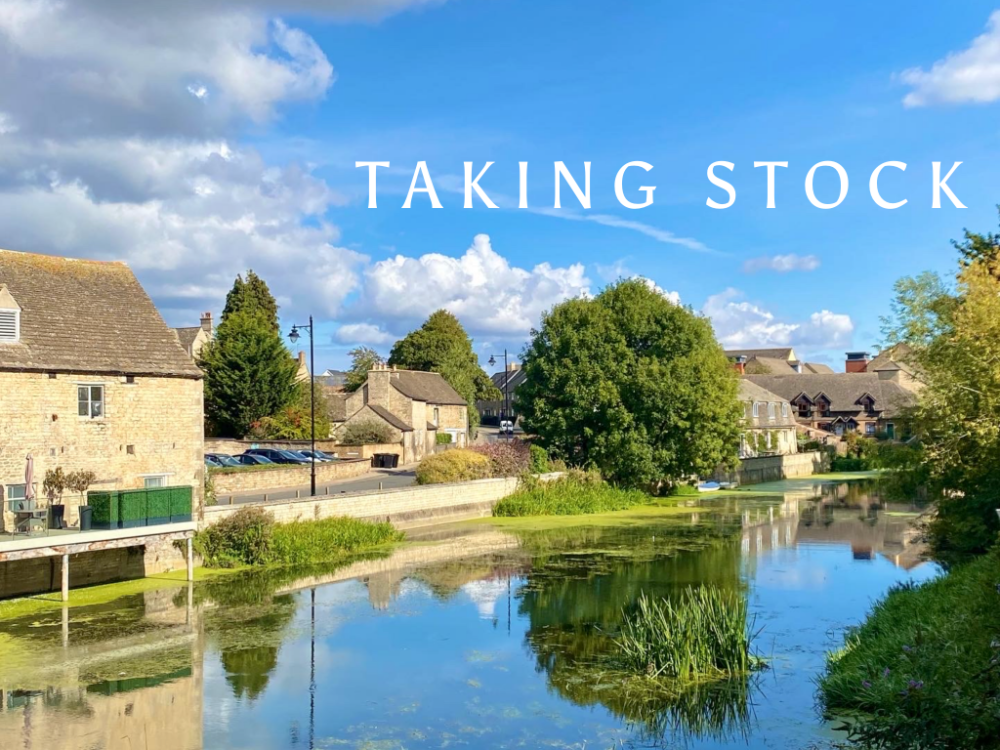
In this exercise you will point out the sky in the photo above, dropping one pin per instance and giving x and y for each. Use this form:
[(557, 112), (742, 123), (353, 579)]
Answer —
[(195, 140)]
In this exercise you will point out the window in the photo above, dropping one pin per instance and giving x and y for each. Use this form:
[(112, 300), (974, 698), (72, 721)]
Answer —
[(436, 416), (90, 399), (870, 428), (10, 325), (784, 410), (16, 491), (771, 412), (160, 480), (756, 409)]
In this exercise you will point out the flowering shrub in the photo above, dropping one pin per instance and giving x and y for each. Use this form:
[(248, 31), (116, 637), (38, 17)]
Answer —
[(507, 458)]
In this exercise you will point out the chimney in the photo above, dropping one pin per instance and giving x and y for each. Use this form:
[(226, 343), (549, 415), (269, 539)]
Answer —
[(856, 362), (740, 363), (378, 385), (206, 322), (302, 359), (513, 366)]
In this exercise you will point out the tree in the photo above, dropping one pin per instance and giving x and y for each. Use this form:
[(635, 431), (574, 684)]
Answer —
[(980, 247), (251, 295), (293, 421), (363, 359), (441, 345), (249, 374), (633, 385), (955, 346)]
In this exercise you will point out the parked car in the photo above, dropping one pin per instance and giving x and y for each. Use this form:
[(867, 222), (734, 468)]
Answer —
[(211, 463), (318, 455), (300, 455), (249, 459), (278, 456), (506, 427), (223, 459)]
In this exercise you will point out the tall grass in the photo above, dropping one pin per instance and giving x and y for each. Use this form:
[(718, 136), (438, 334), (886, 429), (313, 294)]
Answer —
[(706, 632), (577, 494)]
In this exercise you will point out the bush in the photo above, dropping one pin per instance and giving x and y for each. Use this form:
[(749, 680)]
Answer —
[(453, 466), (508, 458), (705, 633), (251, 537), (922, 670), (576, 494), (443, 438), (539, 462), (848, 463), (366, 432)]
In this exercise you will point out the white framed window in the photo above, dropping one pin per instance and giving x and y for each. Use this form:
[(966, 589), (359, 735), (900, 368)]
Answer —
[(90, 401), (756, 409), (784, 409), (10, 326), (151, 481), (771, 411)]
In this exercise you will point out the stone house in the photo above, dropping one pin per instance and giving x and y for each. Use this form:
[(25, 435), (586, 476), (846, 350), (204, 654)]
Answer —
[(778, 361), (417, 406), (491, 411), (92, 379), (769, 423), (194, 338)]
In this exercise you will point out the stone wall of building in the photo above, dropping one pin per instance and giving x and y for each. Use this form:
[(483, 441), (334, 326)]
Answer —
[(245, 480), (775, 468), (152, 426)]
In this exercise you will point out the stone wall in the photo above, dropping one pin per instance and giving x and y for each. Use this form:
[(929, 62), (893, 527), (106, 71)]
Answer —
[(775, 468), (404, 507), (153, 426), (233, 447), (240, 480)]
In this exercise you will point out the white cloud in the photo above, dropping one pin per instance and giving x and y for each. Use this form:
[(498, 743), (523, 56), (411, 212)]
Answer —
[(660, 235), (489, 295), (782, 263), (363, 333), (740, 323), (971, 75)]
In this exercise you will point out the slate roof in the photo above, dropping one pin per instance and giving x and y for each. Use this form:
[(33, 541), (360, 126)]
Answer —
[(389, 417), (187, 336), (893, 355), (752, 392), (515, 378), (773, 365), (785, 353), (842, 389), (87, 316), (426, 386), (817, 369)]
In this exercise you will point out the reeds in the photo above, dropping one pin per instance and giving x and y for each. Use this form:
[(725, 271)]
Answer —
[(578, 493), (703, 633)]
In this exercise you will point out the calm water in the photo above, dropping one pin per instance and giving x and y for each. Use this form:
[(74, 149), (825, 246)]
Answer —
[(481, 637)]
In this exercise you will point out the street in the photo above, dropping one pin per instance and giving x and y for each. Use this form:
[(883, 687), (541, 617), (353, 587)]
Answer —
[(384, 478)]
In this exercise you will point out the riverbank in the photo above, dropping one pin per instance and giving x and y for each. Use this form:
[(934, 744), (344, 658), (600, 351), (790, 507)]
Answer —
[(923, 670)]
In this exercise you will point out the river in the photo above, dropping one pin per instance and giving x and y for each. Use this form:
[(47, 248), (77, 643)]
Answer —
[(480, 635)]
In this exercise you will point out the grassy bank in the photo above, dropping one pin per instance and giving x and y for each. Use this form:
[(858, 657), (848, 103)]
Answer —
[(576, 494), (924, 669), (251, 537)]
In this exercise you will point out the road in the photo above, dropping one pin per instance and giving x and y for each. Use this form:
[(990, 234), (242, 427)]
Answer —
[(386, 478)]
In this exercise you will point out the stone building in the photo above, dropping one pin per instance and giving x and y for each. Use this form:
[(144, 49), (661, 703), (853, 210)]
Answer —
[(769, 423), (92, 379), (194, 338), (417, 407)]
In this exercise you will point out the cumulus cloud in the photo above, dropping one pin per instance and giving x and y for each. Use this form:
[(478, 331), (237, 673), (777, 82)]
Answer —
[(970, 75), (739, 323), (781, 263), (481, 287), (363, 333)]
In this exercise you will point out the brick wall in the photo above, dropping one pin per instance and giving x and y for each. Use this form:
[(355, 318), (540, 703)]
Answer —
[(151, 426), (287, 476)]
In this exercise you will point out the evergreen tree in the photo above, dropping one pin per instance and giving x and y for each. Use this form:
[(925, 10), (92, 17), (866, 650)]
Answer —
[(249, 374), (441, 345), (251, 295)]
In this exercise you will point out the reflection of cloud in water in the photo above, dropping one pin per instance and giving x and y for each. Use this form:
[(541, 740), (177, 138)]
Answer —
[(484, 594)]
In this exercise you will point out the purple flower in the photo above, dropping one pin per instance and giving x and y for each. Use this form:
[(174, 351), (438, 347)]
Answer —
[(907, 649), (866, 685), (916, 684), (886, 672)]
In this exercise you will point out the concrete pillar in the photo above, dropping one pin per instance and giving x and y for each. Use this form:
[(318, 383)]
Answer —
[(190, 559), (65, 578), (65, 627)]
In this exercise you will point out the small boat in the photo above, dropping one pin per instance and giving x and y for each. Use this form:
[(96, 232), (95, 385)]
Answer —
[(709, 487)]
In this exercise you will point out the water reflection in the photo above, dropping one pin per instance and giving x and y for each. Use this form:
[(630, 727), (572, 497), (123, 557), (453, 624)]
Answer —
[(475, 636)]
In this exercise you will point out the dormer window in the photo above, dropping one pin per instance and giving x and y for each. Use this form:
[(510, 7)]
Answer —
[(10, 317)]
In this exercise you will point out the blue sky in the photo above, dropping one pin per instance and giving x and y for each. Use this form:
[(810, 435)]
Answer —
[(316, 85)]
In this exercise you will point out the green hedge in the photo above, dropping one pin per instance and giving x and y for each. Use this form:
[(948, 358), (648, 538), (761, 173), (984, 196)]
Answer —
[(180, 504), (158, 505), (105, 509), (126, 509)]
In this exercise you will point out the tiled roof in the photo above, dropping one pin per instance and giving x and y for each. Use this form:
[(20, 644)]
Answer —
[(187, 336), (389, 417), (425, 386), (896, 354), (817, 369), (842, 389), (785, 353), (753, 393), (87, 316), (514, 379)]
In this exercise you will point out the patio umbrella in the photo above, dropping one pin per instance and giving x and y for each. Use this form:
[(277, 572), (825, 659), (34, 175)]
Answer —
[(29, 477)]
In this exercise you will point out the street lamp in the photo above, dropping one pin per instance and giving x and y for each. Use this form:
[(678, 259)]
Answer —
[(506, 377), (294, 337)]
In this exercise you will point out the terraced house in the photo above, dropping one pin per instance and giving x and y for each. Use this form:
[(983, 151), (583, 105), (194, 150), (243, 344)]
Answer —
[(92, 381)]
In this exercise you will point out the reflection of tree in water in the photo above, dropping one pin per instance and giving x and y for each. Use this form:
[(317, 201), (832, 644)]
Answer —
[(249, 669), (574, 604)]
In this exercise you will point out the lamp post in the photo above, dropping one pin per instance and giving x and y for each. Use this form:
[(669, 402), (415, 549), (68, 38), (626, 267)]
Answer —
[(506, 376), (294, 337)]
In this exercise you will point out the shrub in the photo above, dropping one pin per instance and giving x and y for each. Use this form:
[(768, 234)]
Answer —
[(848, 463), (508, 458), (443, 438), (705, 632), (922, 670), (576, 494), (453, 466), (366, 432), (539, 461), (243, 538)]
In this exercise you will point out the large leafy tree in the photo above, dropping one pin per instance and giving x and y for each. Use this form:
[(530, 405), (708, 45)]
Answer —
[(954, 344), (249, 374), (363, 359), (441, 345), (631, 384), (252, 295)]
